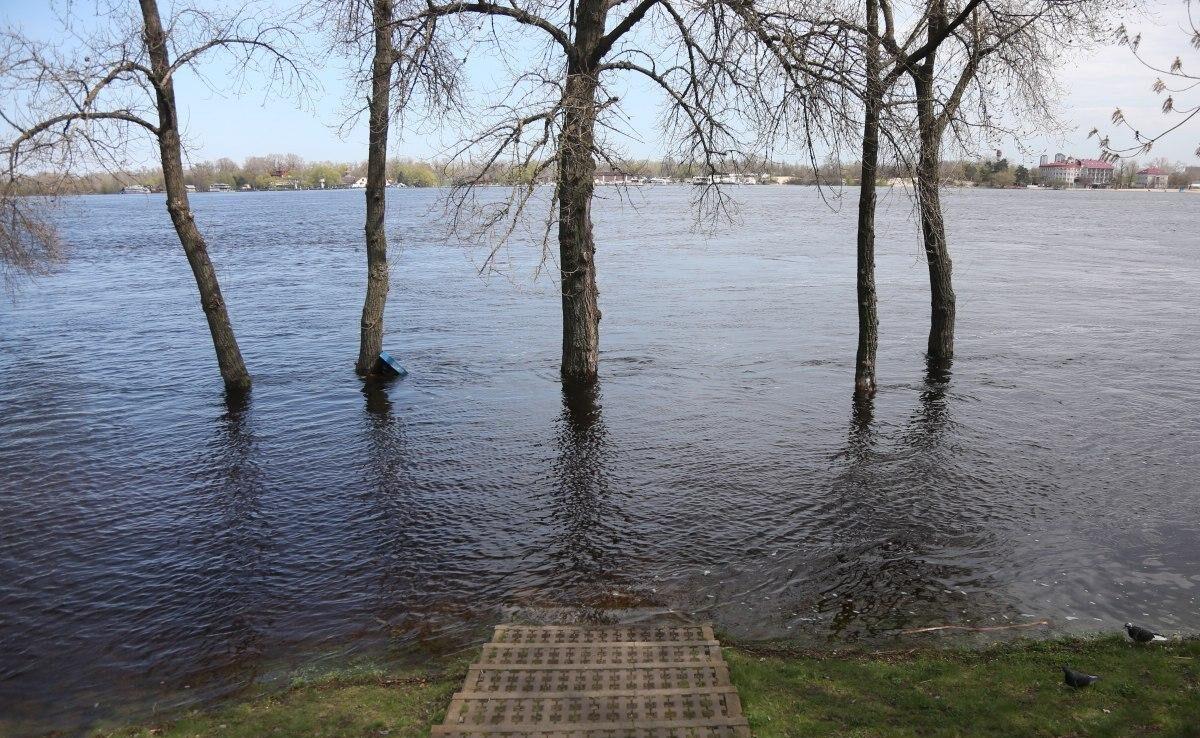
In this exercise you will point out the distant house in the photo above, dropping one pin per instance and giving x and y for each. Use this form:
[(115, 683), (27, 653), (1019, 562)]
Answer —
[(611, 178), (724, 178), (1152, 178)]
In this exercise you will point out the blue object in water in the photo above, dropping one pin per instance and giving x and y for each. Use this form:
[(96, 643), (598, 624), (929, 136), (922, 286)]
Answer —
[(391, 365)]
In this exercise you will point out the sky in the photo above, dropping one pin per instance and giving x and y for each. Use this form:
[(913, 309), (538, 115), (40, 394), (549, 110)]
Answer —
[(237, 126)]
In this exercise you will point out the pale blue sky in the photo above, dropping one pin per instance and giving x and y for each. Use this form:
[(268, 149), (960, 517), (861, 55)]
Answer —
[(222, 125)]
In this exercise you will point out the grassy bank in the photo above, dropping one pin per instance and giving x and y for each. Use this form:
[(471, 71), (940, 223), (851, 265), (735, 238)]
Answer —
[(1014, 689), (354, 702), (1010, 690)]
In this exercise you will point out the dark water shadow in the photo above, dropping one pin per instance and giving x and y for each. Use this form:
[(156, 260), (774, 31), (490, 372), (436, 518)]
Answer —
[(221, 604), (582, 490), (860, 439), (416, 611), (584, 550), (387, 517), (241, 532), (933, 420), (889, 548), (377, 401)]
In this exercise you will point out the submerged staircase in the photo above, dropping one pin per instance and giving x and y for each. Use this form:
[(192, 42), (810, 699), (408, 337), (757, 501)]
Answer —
[(557, 681)]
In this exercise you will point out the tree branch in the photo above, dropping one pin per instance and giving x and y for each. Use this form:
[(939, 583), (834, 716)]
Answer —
[(606, 43), (486, 8)]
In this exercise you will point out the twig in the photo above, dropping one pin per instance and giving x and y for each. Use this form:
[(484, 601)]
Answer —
[(976, 628)]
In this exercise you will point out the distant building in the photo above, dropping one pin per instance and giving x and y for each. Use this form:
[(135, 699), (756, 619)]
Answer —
[(1152, 178), (1059, 173), (1066, 171), (1095, 173), (724, 178), (716, 178), (611, 178)]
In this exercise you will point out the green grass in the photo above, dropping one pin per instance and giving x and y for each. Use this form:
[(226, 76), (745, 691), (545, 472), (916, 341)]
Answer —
[(1008, 690), (344, 704)]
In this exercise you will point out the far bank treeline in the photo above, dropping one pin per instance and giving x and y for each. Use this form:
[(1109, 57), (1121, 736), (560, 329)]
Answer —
[(267, 173), (292, 171), (884, 84)]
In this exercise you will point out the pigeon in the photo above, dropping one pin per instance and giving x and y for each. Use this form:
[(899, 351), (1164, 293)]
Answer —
[(1143, 635), (1077, 679)]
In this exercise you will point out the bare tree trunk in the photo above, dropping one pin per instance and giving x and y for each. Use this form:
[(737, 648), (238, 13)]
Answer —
[(371, 337), (929, 201), (576, 173), (868, 304), (229, 356)]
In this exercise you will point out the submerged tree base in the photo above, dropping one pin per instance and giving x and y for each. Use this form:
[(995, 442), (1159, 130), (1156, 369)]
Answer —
[(1014, 689)]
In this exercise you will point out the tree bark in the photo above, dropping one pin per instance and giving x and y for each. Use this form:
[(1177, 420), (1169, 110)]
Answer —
[(371, 336), (868, 304), (929, 202), (576, 173), (229, 356)]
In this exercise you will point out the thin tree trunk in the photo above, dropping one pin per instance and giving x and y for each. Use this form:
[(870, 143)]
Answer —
[(229, 356), (929, 202), (371, 337), (868, 304), (576, 173)]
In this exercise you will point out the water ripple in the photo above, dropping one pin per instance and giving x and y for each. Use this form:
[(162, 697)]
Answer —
[(163, 545)]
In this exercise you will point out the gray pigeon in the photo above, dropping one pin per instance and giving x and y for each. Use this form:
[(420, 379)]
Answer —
[(1077, 679), (1143, 635)]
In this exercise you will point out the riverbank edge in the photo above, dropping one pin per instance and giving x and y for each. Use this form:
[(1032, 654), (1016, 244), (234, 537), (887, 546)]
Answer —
[(1011, 688)]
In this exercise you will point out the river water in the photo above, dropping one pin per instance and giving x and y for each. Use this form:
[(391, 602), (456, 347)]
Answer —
[(162, 546)]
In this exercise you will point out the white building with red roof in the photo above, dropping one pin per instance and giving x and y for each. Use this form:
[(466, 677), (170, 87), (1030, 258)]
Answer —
[(1066, 171), (1152, 177)]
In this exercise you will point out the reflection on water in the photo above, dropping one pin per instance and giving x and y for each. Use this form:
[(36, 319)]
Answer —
[(887, 569), (230, 491), (582, 501), (162, 543)]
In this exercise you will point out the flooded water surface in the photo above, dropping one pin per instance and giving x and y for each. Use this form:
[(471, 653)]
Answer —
[(158, 544)]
